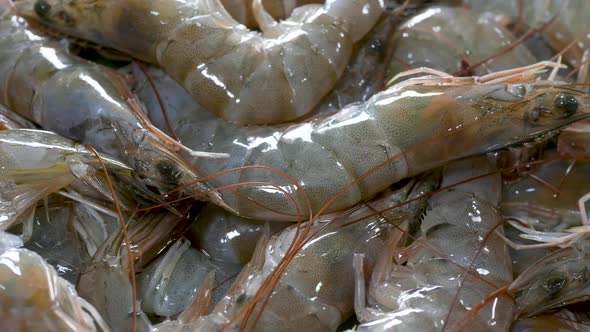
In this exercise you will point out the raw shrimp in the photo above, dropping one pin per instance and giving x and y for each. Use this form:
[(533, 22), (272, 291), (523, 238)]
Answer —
[(456, 34), (35, 163), (366, 147), (315, 293), (568, 20), (242, 11), (441, 278), (36, 74), (34, 298), (243, 76)]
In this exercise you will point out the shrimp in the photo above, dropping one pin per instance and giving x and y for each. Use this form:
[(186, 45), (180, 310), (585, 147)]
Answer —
[(243, 11), (568, 25), (456, 34), (365, 147), (34, 298), (315, 292), (240, 75), (96, 110), (430, 291), (36, 163)]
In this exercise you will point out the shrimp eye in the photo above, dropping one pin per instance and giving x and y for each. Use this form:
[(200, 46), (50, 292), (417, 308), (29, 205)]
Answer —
[(42, 8), (566, 102), (168, 170), (554, 284)]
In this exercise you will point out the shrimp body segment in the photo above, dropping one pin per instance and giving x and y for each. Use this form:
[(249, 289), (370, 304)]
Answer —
[(399, 132), (243, 76)]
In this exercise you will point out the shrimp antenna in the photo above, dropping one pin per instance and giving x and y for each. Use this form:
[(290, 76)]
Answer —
[(126, 237)]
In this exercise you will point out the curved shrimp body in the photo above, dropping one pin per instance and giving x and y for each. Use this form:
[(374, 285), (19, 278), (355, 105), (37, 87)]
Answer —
[(34, 298), (430, 124), (457, 248), (569, 22), (35, 163), (242, 11), (96, 110), (243, 76), (456, 34)]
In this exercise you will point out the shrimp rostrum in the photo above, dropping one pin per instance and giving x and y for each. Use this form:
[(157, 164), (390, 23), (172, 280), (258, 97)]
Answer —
[(241, 75)]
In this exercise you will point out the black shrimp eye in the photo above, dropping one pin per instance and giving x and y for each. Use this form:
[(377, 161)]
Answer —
[(568, 103), (42, 8), (168, 170), (554, 284)]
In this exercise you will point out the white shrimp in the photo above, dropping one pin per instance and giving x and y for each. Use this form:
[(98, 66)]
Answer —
[(243, 76), (42, 82), (397, 133)]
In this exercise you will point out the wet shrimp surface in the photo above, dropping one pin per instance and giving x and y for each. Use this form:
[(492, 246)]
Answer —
[(294, 165)]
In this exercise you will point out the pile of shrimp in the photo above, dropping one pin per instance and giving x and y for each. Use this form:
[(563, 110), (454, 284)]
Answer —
[(294, 165)]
